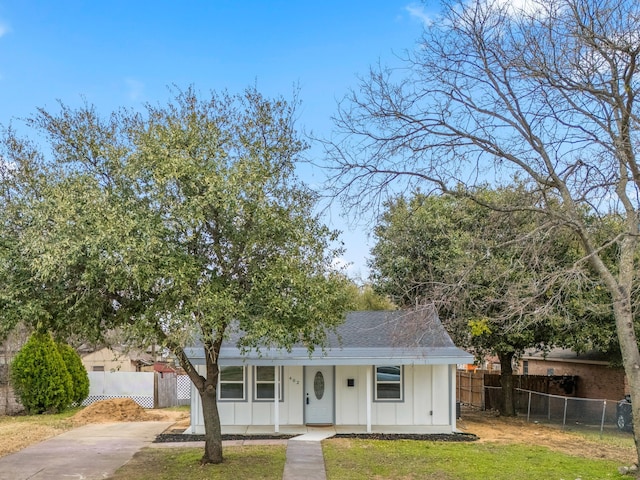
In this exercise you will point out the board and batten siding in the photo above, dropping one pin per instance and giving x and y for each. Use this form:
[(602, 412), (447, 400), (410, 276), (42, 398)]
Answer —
[(426, 404), (251, 412), (426, 398)]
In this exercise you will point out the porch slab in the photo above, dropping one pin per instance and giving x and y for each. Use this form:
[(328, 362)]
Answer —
[(262, 430), (316, 434), (335, 429)]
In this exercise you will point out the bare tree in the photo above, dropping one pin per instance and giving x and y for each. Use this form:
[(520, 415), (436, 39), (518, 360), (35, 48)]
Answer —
[(545, 92)]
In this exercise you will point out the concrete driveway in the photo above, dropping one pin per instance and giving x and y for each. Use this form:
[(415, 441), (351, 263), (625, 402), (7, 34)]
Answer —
[(86, 453)]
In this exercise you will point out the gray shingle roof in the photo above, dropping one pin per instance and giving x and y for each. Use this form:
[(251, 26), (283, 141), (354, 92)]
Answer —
[(365, 338)]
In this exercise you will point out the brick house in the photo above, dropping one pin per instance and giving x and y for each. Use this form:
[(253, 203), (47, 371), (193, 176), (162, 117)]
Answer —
[(596, 377)]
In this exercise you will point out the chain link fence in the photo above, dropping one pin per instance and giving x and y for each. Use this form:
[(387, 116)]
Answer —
[(570, 413)]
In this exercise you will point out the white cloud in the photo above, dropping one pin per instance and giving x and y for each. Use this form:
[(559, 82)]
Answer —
[(417, 11), (6, 168), (4, 29), (340, 264), (521, 7), (135, 89)]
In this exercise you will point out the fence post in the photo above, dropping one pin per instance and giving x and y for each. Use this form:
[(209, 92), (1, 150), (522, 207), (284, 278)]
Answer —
[(529, 407), (564, 418), (155, 389), (604, 410)]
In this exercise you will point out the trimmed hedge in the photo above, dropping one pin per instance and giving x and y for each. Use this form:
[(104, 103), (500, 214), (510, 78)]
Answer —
[(79, 375), (40, 377)]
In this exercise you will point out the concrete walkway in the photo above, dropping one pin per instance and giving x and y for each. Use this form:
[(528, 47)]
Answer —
[(96, 451), (304, 455), (90, 452)]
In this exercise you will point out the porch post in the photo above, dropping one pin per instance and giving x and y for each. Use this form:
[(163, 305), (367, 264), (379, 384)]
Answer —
[(452, 397), (276, 396), (369, 390)]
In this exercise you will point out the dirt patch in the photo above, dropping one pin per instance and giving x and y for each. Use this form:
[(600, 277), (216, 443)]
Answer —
[(490, 427), (123, 410), (16, 436)]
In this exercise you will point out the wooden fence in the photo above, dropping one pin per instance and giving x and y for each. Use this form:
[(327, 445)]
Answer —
[(482, 389), (564, 386), (470, 388), (165, 390)]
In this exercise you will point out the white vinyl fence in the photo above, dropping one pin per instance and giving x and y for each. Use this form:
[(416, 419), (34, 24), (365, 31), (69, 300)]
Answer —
[(184, 389), (147, 389), (138, 386)]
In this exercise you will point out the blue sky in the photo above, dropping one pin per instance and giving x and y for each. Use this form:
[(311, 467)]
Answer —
[(125, 53)]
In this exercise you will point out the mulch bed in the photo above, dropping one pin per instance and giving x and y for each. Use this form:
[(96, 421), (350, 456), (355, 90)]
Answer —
[(182, 437), (431, 437), (451, 437)]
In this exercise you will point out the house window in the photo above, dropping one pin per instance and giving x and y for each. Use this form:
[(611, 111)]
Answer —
[(98, 368), (265, 379), (525, 367), (388, 382), (231, 383)]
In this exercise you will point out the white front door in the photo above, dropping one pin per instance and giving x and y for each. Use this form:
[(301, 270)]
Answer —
[(318, 395)]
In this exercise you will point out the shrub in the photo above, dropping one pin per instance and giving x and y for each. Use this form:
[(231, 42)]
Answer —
[(79, 376), (40, 377)]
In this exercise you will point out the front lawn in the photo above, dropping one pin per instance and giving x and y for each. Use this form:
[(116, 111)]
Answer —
[(349, 459), (256, 462), (354, 459)]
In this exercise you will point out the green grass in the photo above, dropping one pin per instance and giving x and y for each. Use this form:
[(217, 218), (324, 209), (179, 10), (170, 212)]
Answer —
[(251, 462), (412, 460), (179, 408), (62, 420), (376, 460), (611, 437)]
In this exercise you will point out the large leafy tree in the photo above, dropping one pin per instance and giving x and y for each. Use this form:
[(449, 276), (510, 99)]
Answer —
[(545, 89), (184, 222), (490, 274)]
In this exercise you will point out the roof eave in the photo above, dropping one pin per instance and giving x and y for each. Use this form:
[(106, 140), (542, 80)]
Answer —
[(445, 356)]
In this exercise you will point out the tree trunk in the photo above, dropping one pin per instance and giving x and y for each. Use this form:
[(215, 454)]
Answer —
[(207, 387), (212, 430), (630, 359), (507, 405)]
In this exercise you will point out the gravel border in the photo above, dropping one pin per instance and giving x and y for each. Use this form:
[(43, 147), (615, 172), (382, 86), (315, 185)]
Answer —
[(439, 437), (182, 437), (431, 437)]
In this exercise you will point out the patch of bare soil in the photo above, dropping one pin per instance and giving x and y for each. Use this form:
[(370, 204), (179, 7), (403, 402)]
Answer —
[(123, 410), (16, 436), (490, 427)]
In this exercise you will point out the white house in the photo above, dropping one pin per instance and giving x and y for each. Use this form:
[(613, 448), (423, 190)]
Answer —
[(384, 371)]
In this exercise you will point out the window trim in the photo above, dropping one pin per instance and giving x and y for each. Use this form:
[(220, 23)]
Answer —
[(388, 382), (256, 382), (235, 382)]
